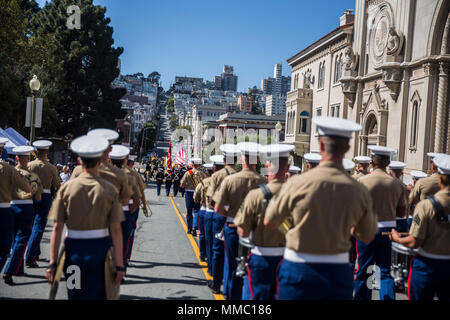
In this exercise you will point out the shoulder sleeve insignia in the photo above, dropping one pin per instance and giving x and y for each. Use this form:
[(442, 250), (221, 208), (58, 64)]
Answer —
[(417, 219)]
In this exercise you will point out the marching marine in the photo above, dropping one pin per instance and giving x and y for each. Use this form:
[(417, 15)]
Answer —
[(89, 208), (427, 186), (430, 232), (363, 163), (312, 160), (388, 202), (190, 181), (119, 157), (49, 177), (232, 192), (23, 210), (325, 206), (268, 244), (230, 152), (396, 170), (10, 180)]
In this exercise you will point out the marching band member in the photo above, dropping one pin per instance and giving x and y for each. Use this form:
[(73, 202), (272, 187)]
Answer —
[(10, 179), (22, 205), (232, 192), (230, 152), (396, 170), (189, 181), (49, 176), (427, 186), (326, 206), (268, 244), (176, 180), (88, 206), (429, 273), (388, 202)]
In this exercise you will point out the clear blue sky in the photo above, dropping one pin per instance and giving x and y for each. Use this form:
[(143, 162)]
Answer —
[(197, 37)]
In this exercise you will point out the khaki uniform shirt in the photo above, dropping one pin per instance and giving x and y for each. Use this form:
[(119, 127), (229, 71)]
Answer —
[(34, 182), (387, 195), (324, 204), (47, 173), (139, 180), (200, 192), (251, 217), (112, 174), (234, 188), (217, 178), (133, 183), (359, 175), (10, 180), (435, 235), (425, 187), (87, 203), (188, 182)]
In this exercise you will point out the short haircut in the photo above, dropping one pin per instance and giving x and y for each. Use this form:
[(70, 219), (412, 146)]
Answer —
[(42, 152), (130, 161), (445, 179), (90, 163), (334, 145), (219, 166), (117, 163), (381, 161)]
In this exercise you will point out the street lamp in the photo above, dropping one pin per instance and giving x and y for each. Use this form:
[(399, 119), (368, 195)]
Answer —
[(35, 85)]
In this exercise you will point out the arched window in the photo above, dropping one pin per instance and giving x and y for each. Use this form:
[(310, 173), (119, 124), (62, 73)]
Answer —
[(287, 122), (336, 69), (321, 75), (414, 125), (304, 116)]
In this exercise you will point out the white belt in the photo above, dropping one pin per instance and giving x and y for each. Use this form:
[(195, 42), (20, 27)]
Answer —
[(125, 208), (397, 218), (227, 207), (46, 191), (209, 210), (230, 220), (203, 208), (189, 190), (387, 224), (28, 201), (410, 217), (432, 255), (130, 202), (5, 205), (268, 251), (87, 234), (295, 256)]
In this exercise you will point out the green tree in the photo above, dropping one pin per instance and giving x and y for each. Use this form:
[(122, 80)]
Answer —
[(173, 121), (15, 60), (171, 105), (147, 137), (76, 68)]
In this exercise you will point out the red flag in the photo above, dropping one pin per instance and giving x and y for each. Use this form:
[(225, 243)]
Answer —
[(169, 157)]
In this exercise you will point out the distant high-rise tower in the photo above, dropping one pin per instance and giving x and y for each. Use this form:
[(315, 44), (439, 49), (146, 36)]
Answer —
[(227, 81)]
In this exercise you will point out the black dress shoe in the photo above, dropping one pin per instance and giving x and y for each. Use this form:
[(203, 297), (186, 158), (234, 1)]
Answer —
[(189, 232), (194, 233), (202, 259), (213, 289), (32, 265), (8, 279)]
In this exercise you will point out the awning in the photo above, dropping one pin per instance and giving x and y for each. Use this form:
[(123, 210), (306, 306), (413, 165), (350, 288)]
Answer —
[(15, 140)]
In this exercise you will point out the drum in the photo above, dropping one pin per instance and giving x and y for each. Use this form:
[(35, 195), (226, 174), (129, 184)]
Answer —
[(401, 261), (245, 246)]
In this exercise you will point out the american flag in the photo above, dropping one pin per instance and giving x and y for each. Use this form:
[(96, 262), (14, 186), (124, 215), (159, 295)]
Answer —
[(181, 158)]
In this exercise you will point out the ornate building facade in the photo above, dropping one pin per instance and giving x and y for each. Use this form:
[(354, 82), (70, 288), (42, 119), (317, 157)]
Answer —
[(394, 79)]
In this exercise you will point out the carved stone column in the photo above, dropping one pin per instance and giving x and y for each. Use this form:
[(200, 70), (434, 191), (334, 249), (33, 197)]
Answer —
[(442, 106)]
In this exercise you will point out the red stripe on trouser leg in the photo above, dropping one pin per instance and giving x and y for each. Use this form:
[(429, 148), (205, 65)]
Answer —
[(278, 268), (21, 259), (357, 260), (409, 278), (250, 279)]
